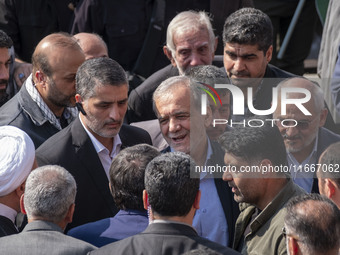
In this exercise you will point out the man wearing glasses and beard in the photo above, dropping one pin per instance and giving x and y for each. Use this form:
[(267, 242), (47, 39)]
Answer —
[(304, 136)]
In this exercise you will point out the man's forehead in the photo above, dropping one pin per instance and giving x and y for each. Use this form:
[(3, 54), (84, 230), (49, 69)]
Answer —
[(242, 49)]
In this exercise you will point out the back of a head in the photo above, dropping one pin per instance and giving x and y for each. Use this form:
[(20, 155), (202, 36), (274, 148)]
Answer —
[(255, 143), (315, 221), (249, 26), (92, 44), (329, 161), (98, 72), (171, 184), (50, 191), (189, 21), (127, 175), (17, 156), (5, 40), (40, 57)]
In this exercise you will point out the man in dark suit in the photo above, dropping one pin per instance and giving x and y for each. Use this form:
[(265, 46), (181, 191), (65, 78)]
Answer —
[(304, 135), (127, 185), (17, 159), (86, 147), (172, 196), (48, 201), (177, 104)]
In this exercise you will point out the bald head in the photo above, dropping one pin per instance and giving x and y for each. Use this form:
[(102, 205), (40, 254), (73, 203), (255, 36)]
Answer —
[(92, 45), (48, 49)]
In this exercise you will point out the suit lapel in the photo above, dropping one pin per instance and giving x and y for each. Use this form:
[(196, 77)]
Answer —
[(91, 163)]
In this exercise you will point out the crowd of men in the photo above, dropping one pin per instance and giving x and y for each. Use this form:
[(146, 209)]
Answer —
[(238, 159)]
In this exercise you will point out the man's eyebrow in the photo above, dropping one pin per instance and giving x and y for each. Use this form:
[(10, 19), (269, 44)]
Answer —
[(242, 56)]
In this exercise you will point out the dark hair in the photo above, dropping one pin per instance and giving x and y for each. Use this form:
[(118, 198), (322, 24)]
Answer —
[(127, 175), (328, 160), (171, 184), (98, 72), (5, 40), (249, 26), (256, 143), (315, 220)]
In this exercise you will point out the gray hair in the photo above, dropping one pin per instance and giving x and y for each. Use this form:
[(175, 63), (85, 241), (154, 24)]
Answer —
[(49, 192), (315, 90), (189, 21), (167, 87), (98, 72)]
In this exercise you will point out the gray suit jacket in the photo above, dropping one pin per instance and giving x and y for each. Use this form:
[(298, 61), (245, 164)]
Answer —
[(42, 237)]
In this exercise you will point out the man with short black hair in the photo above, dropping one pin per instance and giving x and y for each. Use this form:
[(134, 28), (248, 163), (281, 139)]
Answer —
[(172, 195), (256, 171), (312, 226), (87, 147), (127, 185)]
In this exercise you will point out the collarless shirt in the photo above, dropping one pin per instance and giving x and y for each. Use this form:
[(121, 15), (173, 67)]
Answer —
[(302, 174), (8, 212), (103, 153)]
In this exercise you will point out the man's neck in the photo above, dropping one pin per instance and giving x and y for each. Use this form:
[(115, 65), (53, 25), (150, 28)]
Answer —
[(199, 154)]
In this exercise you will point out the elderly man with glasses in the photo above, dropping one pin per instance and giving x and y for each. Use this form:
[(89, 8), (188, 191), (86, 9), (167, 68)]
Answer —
[(304, 135)]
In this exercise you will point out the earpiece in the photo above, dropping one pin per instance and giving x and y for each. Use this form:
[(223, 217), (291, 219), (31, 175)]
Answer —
[(80, 108)]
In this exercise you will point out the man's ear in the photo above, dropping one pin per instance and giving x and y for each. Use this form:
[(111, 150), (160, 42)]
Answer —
[(293, 246), (21, 189), (196, 204), (330, 187), (323, 117), (78, 98), (22, 206), (269, 53), (145, 200), (40, 77), (69, 215), (208, 118), (266, 163), (168, 54)]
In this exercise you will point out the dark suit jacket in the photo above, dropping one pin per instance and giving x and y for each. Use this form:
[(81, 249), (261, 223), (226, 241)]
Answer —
[(7, 227), (73, 149), (124, 224), (230, 207), (43, 237), (163, 238)]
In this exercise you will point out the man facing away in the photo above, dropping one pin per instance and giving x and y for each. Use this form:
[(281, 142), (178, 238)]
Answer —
[(48, 202), (328, 173), (172, 196), (88, 145), (17, 159), (45, 103), (126, 185), (256, 171), (312, 226), (304, 136)]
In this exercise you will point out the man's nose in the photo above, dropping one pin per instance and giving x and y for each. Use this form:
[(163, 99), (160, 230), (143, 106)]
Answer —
[(174, 125), (227, 176)]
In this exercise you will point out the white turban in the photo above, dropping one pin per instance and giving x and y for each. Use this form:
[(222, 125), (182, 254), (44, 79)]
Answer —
[(17, 154)]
